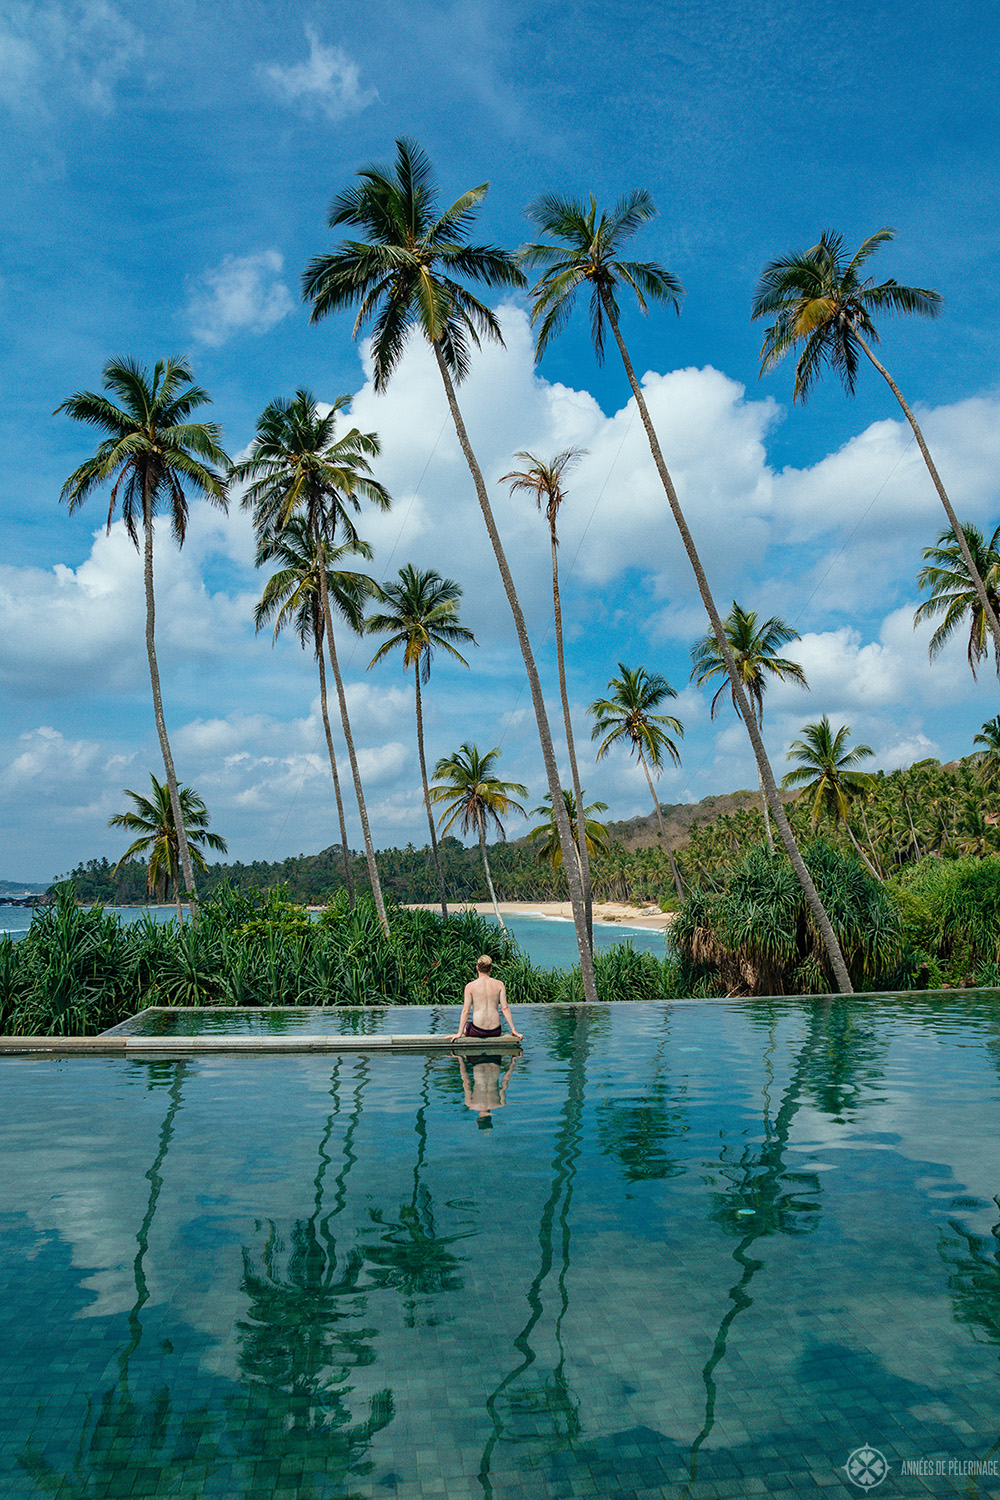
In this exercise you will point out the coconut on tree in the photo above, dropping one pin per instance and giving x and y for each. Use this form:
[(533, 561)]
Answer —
[(952, 593), (298, 466), (544, 479), (755, 651), (408, 272), (420, 616), (581, 250), (292, 597), (629, 718), (153, 456), (152, 820), (475, 798), (824, 304)]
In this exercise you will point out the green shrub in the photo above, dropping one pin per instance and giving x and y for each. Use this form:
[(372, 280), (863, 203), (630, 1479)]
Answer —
[(756, 936)]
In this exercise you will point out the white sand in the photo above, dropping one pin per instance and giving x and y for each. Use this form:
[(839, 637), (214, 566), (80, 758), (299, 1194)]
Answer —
[(615, 913)]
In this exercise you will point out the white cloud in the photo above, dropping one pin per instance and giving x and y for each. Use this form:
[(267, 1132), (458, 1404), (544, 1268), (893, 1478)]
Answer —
[(243, 294), (83, 49), (74, 631), (244, 719), (328, 83)]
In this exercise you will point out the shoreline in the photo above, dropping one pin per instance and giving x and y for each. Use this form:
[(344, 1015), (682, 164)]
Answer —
[(606, 913)]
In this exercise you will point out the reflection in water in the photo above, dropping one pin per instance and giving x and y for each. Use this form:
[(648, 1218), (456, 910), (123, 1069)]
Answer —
[(484, 1083), (121, 1422), (364, 1238), (545, 1410), (637, 1131), (410, 1255), (305, 1335), (757, 1203), (973, 1262)]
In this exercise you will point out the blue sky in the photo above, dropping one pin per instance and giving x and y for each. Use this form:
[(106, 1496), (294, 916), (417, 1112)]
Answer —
[(167, 175)]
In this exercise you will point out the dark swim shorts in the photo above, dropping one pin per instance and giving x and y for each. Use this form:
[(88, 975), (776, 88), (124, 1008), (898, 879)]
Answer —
[(471, 1029)]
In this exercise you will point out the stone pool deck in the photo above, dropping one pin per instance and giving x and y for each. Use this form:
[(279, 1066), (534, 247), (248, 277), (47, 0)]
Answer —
[(139, 1046)]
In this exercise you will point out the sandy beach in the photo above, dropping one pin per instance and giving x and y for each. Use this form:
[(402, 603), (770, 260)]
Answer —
[(612, 912)]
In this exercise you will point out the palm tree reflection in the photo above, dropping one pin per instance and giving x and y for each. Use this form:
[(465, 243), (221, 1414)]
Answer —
[(408, 1252), (304, 1336), (545, 1410)]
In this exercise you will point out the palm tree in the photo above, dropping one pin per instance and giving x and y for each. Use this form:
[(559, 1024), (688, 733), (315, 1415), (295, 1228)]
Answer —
[(952, 590), (823, 302), (584, 249), (298, 466), (402, 276), (153, 453), (292, 597), (826, 775), (628, 718), (475, 798), (754, 651), (152, 818), (988, 758), (589, 834), (422, 615), (545, 481)]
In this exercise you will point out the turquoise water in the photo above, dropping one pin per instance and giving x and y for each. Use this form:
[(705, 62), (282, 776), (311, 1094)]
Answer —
[(17, 919), (550, 943), (703, 1250)]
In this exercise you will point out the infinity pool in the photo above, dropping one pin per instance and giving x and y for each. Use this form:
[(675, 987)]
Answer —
[(696, 1249)]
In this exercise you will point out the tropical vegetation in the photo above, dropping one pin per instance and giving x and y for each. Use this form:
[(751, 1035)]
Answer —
[(152, 820), (154, 455), (472, 795), (401, 277), (825, 304), (863, 857), (545, 480), (584, 250), (292, 596), (299, 467), (952, 595), (79, 971), (420, 616), (755, 654)]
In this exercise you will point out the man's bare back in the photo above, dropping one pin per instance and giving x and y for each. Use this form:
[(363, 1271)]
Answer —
[(485, 998)]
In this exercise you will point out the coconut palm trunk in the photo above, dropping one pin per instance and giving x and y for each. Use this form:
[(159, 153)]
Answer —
[(763, 797), (583, 854), (960, 537), (349, 740), (427, 799), (675, 873), (860, 852), (566, 839), (816, 907), (161, 724), (345, 852), (486, 869)]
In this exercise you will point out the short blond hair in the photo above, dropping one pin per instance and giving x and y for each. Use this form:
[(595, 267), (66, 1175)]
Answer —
[(484, 964)]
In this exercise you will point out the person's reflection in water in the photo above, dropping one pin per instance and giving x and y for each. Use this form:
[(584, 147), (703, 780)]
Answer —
[(483, 1086)]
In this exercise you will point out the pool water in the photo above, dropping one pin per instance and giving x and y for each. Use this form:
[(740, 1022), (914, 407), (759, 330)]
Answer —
[(686, 1249)]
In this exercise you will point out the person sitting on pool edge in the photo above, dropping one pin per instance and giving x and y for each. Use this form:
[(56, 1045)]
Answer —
[(486, 997)]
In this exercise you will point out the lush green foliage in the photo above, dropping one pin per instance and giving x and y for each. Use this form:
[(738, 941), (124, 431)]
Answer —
[(755, 935), (78, 971), (951, 913)]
